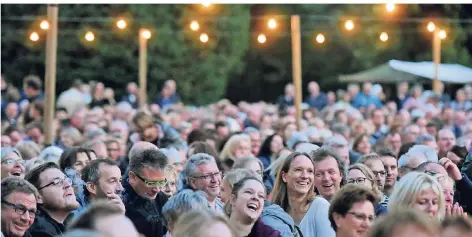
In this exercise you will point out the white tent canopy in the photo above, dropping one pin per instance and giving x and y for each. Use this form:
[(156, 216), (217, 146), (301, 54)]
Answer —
[(451, 73)]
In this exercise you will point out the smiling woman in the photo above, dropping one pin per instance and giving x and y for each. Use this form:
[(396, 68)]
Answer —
[(245, 208), (12, 163)]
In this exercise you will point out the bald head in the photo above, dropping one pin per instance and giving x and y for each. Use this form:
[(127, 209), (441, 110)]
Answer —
[(139, 147)]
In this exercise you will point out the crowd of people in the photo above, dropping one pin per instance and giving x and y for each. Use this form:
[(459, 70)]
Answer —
[(358, 164)]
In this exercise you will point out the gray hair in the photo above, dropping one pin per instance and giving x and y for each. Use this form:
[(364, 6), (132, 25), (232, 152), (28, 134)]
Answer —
[(340, 128), (28, 149), (307, 148), (124, 107), (296, 138), (81, 233), (139, 147), (425, 138), (425, 151), (51, 153), (335, 141), (194, 161), (171, 153), (95, 133), (7, 150), (121, 123), (183, 202)]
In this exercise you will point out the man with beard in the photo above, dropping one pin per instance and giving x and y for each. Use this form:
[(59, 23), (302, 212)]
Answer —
[(18, 206), (102, 180), (142, 197), (56, 200)]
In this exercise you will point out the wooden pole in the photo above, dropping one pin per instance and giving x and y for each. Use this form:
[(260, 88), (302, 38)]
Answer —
[(142, 68), (50, 75), (297, 66), (436, 60)]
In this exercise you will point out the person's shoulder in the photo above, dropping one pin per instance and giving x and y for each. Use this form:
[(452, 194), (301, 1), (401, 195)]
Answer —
[(161, 199)]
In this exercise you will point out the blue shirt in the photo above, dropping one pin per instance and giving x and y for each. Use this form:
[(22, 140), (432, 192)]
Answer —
[(362, 100)]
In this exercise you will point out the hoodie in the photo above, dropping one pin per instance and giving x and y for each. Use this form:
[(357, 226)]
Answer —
[(274, 216)]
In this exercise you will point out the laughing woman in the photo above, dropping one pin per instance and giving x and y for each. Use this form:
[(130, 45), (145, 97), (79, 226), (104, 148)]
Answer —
[(245, 208), (294, 192)]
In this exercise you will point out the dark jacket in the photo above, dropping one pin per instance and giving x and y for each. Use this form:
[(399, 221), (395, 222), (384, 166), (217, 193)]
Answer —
[(464, 193), (262, 230), (145, 214), (45, 226), (380, 210)]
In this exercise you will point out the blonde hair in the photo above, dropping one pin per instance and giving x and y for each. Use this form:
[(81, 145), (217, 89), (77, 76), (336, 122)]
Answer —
[(234, 140), (196, 223), (28, 149), (235, 175), (370, 176), (409, 187), (171, 172)]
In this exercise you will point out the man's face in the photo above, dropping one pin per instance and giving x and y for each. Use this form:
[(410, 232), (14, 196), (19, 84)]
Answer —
[(15, 138), (6, 141), (395, 141), (391, 166), (14, 223), (56, 197), (100, 150), (30, 92), (446, 140), (145, 175), (36, 136), (378, 169), (114, 150), (119, 131), (378, 118), (313, 88), (327, 177), (222, 131), (12, 110), (109, 181), (255, 142), (343, 152), (149, 133), (122, 226), (207, 178)]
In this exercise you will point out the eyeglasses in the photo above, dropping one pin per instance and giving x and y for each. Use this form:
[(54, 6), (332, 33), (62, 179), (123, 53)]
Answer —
[(362, 217), (161, 183), (208, 177), (13, 162), (57, 182), (20, 209), (382, 173), (357, 181)]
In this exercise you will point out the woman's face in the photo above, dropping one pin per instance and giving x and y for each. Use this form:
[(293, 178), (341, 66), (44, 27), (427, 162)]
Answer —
[(364, 146), (357, 220), (289, 130), (448, 191), (242, 149), (81, 162), (276, 144), (13, 165), (300, 175), (249, 201), (66, 139), (171, 188), (256, 167), (428, 202), (356, 176), (225, 191)]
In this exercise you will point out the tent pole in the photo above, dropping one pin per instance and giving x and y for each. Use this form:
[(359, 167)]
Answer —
[(436, 60)]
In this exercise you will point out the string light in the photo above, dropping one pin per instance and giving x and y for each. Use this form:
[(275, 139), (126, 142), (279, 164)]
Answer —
[(390, 7), (384, 36), (442, 34), (121, 24), (431, 27), (349, 25), (89, 36), (272, 24), (44, 25), (261, 38), (204, 38), (320, 38), (34, 36), (145, 33), (194, 25)]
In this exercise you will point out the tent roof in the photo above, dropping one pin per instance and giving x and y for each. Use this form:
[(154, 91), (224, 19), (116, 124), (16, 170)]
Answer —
[(397, 71), (452, 73), (380, 74)]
